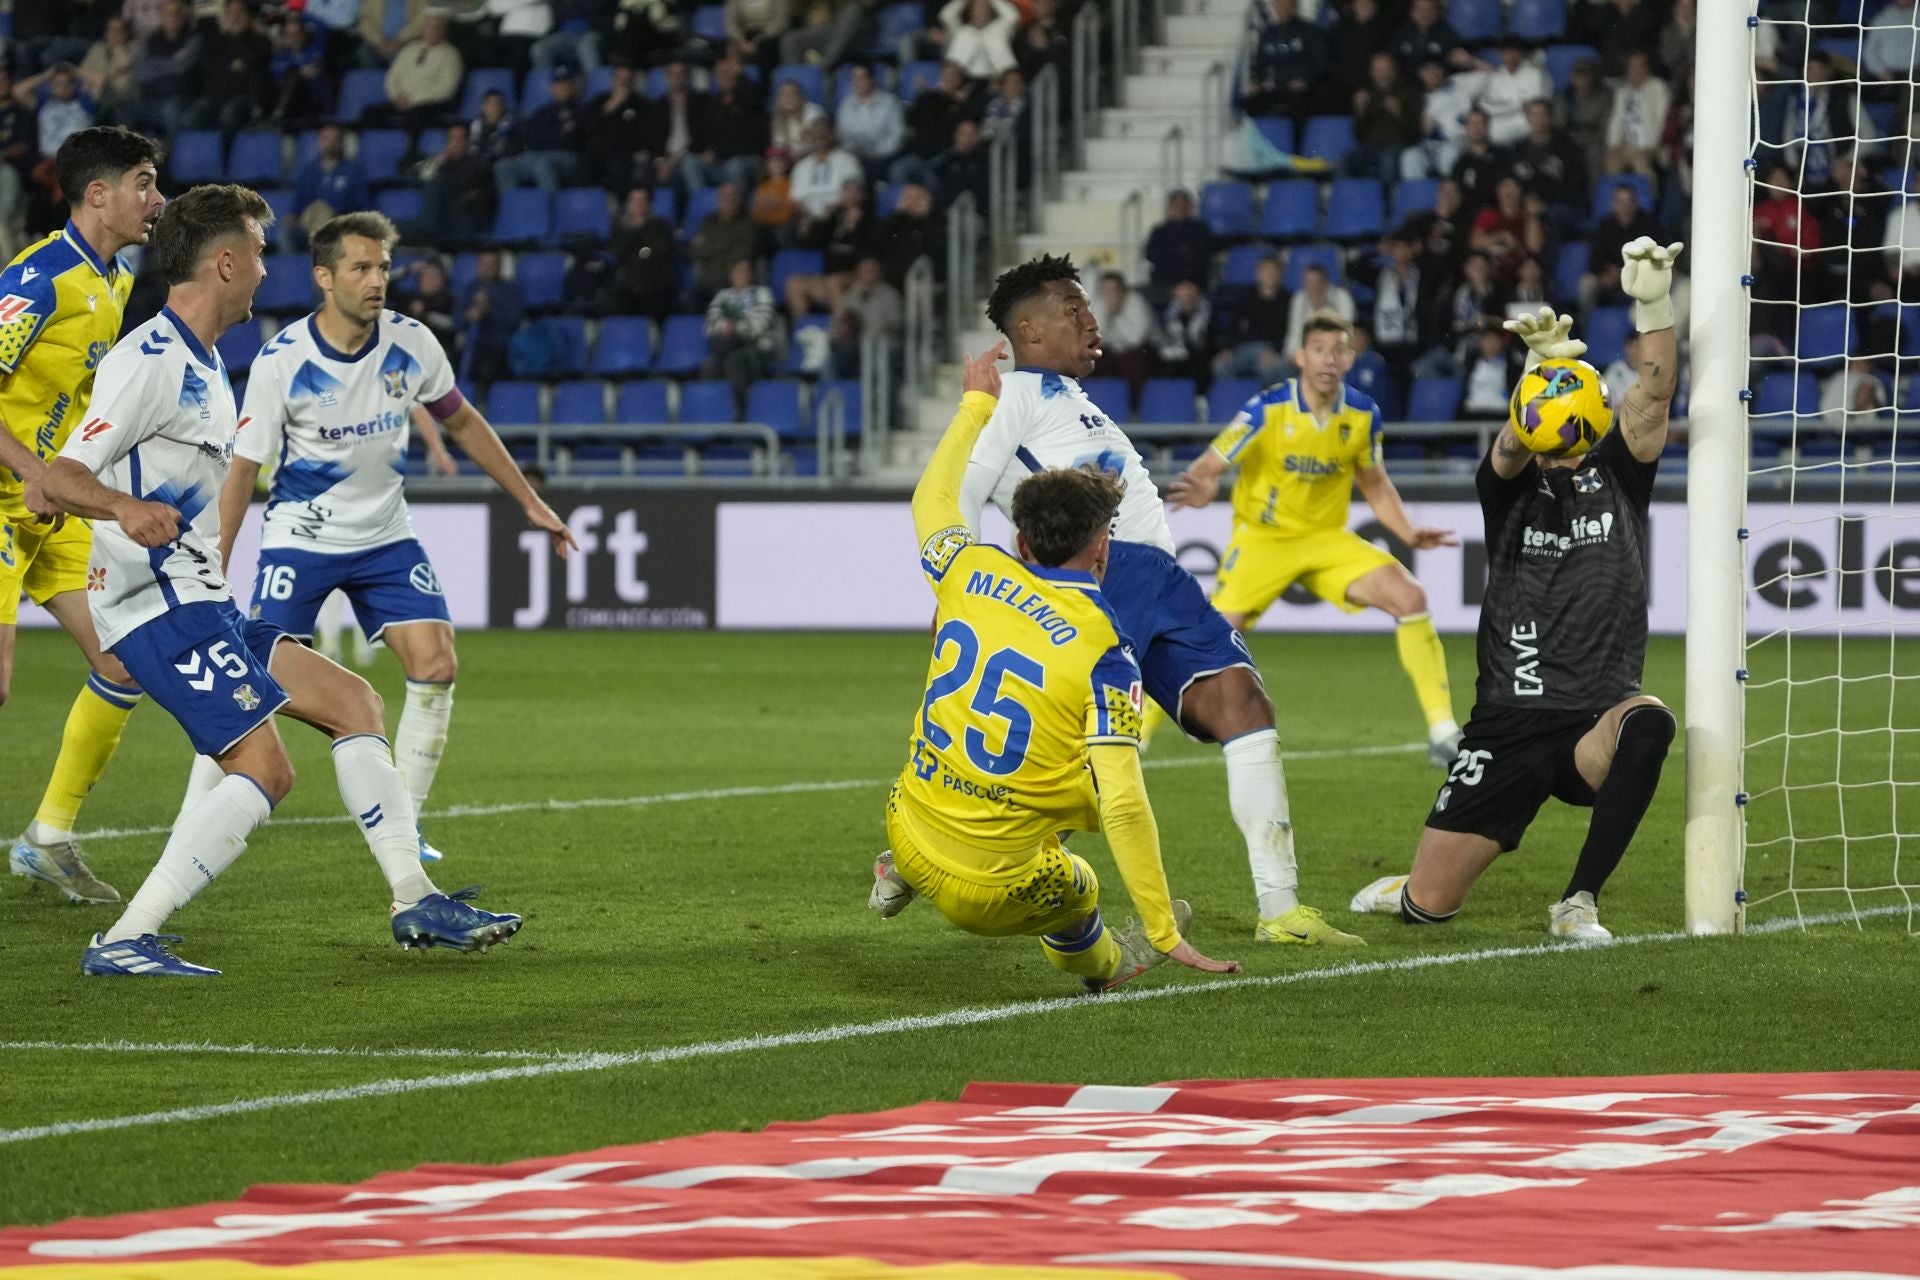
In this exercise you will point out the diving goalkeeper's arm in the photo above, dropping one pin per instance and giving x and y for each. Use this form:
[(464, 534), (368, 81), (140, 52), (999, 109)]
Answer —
[(1647, 278)]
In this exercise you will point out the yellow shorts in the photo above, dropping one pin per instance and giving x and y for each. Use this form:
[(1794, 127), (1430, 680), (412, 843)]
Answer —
[(1051, 892), (40, 560), (1260, 564)]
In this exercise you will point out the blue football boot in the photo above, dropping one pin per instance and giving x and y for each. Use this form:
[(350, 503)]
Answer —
[(445, 920), (143, 957)]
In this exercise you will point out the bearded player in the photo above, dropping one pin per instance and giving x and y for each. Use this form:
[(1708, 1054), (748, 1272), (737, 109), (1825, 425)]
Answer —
[(1558, 709)]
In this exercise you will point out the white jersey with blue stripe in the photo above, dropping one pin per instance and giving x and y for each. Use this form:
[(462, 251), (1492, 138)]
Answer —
[(337, 424), (1045, 421), (160, 428)]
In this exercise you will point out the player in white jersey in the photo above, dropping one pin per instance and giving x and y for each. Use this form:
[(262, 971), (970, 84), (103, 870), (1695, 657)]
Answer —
[(1192, 662), (146, 466), (330, 398)]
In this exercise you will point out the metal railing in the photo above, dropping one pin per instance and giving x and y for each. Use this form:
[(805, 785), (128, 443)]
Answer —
[(1003, 195), (1213, 103), (1043, 142), (1133, 217), (553, 443), (877, 354), (1173, 143), (963, 263), (1085, 86), (917, 334)]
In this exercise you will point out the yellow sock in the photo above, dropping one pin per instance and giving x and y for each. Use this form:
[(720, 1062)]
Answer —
[(1090, 952), (99, 713), (1151, 722), (1426, 665)]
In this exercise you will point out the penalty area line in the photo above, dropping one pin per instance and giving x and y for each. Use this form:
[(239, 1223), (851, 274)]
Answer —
[(280, 1051), (977, 1016)]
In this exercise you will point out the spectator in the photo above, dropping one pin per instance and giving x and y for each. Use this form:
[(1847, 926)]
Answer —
[(1489, 380), (1529, 291), (457, 194), (824, 34), (143, 16), (581, 26), (1358, 34), (1181, 248), (327, 185), (48, 31), (980, 35), (20, 156), (1387, 119), (1624, 371), (736, 127), (646, 279), (1426, 37), (491, 309), (298, 72), (1368, 374), (1481, 165), (1501, 231), (107, 71), (1006, 107), (772, 205), (165, 70), (792, 117), (914, 231), (60, 107), (1624, 223), (1289, 62), (673, 137), (621, 123), (1186, 333), (869, 121), (724, 237), (505, 38), (636, 34), (1639, 113), (1677, 41), (962, 168), (1470, 311), (869, 305), (1441, 233), (1043, 42), (232, 79), (1631, 27), (931, 120), (843, 238), (1317, 293), (1128, 343), (1550, 165), (1851, 209), (1850, 395), (740, 333), (547, 144), (1784, 238), (754, 28), (1815, 117), (386, 27), (1901, 249), (423, 295), (819, 175), (1890, 57), (1508, 88), (492, 130), (424, 76), (1446, 100), (1398, 305), (1254, 325)]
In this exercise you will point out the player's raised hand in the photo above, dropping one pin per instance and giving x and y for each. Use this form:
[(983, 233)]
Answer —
[(1185, 954), (1646, 268), (1547, 335), (1424, 538), (982, 374), (1189, 489), (151, 524), (541, 517)]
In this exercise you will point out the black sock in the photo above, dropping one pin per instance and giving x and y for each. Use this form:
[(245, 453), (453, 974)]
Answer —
[(1412, 912), (1645, 734)]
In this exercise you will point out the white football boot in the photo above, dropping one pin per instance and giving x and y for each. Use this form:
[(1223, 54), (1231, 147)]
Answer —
[(1577, 919), (890, 893), (1382, 897)]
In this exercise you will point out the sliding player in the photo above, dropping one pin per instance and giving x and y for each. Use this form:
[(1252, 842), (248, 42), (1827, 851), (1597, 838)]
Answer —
[(161, 435), (1193, 664), (329, 397), (1302, 447), (1030, 727), (61, 303), (1563, 633)]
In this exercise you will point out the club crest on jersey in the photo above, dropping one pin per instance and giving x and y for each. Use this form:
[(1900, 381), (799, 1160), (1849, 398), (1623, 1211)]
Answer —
[(246, 697), (396, 383), (1586, 481), (1346, 432), (423, 579)]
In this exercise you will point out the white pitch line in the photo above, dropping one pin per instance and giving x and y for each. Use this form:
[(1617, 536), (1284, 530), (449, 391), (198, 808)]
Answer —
[(850, 1031), (282, 1051), (726, 793)]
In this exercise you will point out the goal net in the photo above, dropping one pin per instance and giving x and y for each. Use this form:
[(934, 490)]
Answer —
[(1827, 784)]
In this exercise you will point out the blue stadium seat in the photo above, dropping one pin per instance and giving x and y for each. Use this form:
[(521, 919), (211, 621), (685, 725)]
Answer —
[(431, 142), (788, 263), (1787, 393), (1328, 138), (199, 155), (642, 403), (796, 350), (812, 81), (918, 77), (482, 80), (666, 204), (1434, 400), (1825, 333), (514, 404), (710, 23), (536, 91), (280, 200), (581, 403), (1240, 269), (1608, 329), (1560, 60), (402, 204), (701, 202), (1909, 323), (683, 345), (1568, 266), (570, 335), (848, 390), (776, 403), (360, 88), (238, 346), (1355, 210), (1227, 208), (892, 24), (1110, 396), (600, 79), (542, 278), (463, 270), (1537, 21), (1385, 392), (1603, 192), (887, 198), (1414, 195), (306, 148), (1475, 20), (525, 216), (580, 213), (706, 400), (623, 347), (1325, 256), (1291, 210), (1226, 396), (1277, 130), (1167, 400), (254, 158), (288, 286), (382, 152)]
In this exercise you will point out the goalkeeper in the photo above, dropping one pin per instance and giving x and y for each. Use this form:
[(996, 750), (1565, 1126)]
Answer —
[(1563, 631), (1030, 726)]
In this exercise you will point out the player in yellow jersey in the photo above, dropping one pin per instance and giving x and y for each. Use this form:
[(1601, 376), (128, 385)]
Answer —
[(61, 304), (1029, 728), (1302, 447)]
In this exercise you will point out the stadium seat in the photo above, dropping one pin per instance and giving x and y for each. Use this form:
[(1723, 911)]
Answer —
[(431, 142), (306, 148), (570, 335), (624, 346), (1568, 266), (1475, 20), (916, 78), (581, 403), (542, 278), (1328, 138), (280, 201), (706, 400), (666, 204), (788, 263), (536, 90), (1608, 329), (1826, 333), (1227, 208), (199, 155), (1560, 59), (288, 286), (238, 346), (1355, 210), (360, 88), (683, 345), (892, 24), (887, 199), (1168, 401), (1537, 21), (796, 350), (642, 403), (1110, 396), (1414, 195), (514, 404), (463, 270), (382, 152), (402, 204), (580, 213), (1386, 394), (1434, 400), (701, 202), (775, 402), (1603, 192), (483, 80), (1291, 210), (1784, 393), (848, 391), (254, 158), (1909, 337), (525, 216), (1243, 261), (810, 78), (710, 23), (1226, 397), (1326, 256)]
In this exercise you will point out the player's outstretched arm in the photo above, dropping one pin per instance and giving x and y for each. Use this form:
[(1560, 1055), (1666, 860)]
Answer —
[(1377, 487), (476, 438), (438, 458), (19, 459), (1199, 484), (1646, 275), (1548, 337), (243, 476), (1126, 819), (936, 499), (77, 490)]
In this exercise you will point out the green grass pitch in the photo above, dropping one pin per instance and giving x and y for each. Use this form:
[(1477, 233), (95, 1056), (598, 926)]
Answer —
[(724, 908)]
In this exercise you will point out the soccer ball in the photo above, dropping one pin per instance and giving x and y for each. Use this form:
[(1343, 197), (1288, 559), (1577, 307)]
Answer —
[(1560, 408)]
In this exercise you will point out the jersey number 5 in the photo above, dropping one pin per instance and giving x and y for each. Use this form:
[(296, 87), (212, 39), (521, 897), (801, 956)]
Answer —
[(988, 702)]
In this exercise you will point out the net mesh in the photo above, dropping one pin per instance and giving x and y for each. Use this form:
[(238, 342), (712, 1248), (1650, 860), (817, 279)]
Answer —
[(1832, 759)]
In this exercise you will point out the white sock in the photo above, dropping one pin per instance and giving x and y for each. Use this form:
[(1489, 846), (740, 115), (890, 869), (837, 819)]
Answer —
[(205, 776), (421, 736), (1442, 731), (376, 796), (1257, 794), (40, 833), (205, 841)]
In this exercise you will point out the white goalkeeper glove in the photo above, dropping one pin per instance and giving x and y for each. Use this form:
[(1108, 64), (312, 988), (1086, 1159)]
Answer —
[(1547, 336), (1646, 274)]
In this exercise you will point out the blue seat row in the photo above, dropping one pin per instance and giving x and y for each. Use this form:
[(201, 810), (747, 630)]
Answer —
[(787, 405)]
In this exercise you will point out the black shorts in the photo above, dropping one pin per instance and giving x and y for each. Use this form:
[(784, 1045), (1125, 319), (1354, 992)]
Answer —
[(1511, 759)]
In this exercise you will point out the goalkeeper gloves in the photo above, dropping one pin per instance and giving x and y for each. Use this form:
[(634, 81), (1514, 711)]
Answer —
[(1647, 276), (1547, 336)]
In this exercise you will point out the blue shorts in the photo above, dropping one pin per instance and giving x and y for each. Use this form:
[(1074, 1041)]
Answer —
[(1177, 636), (207, 666), (387, 585)]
